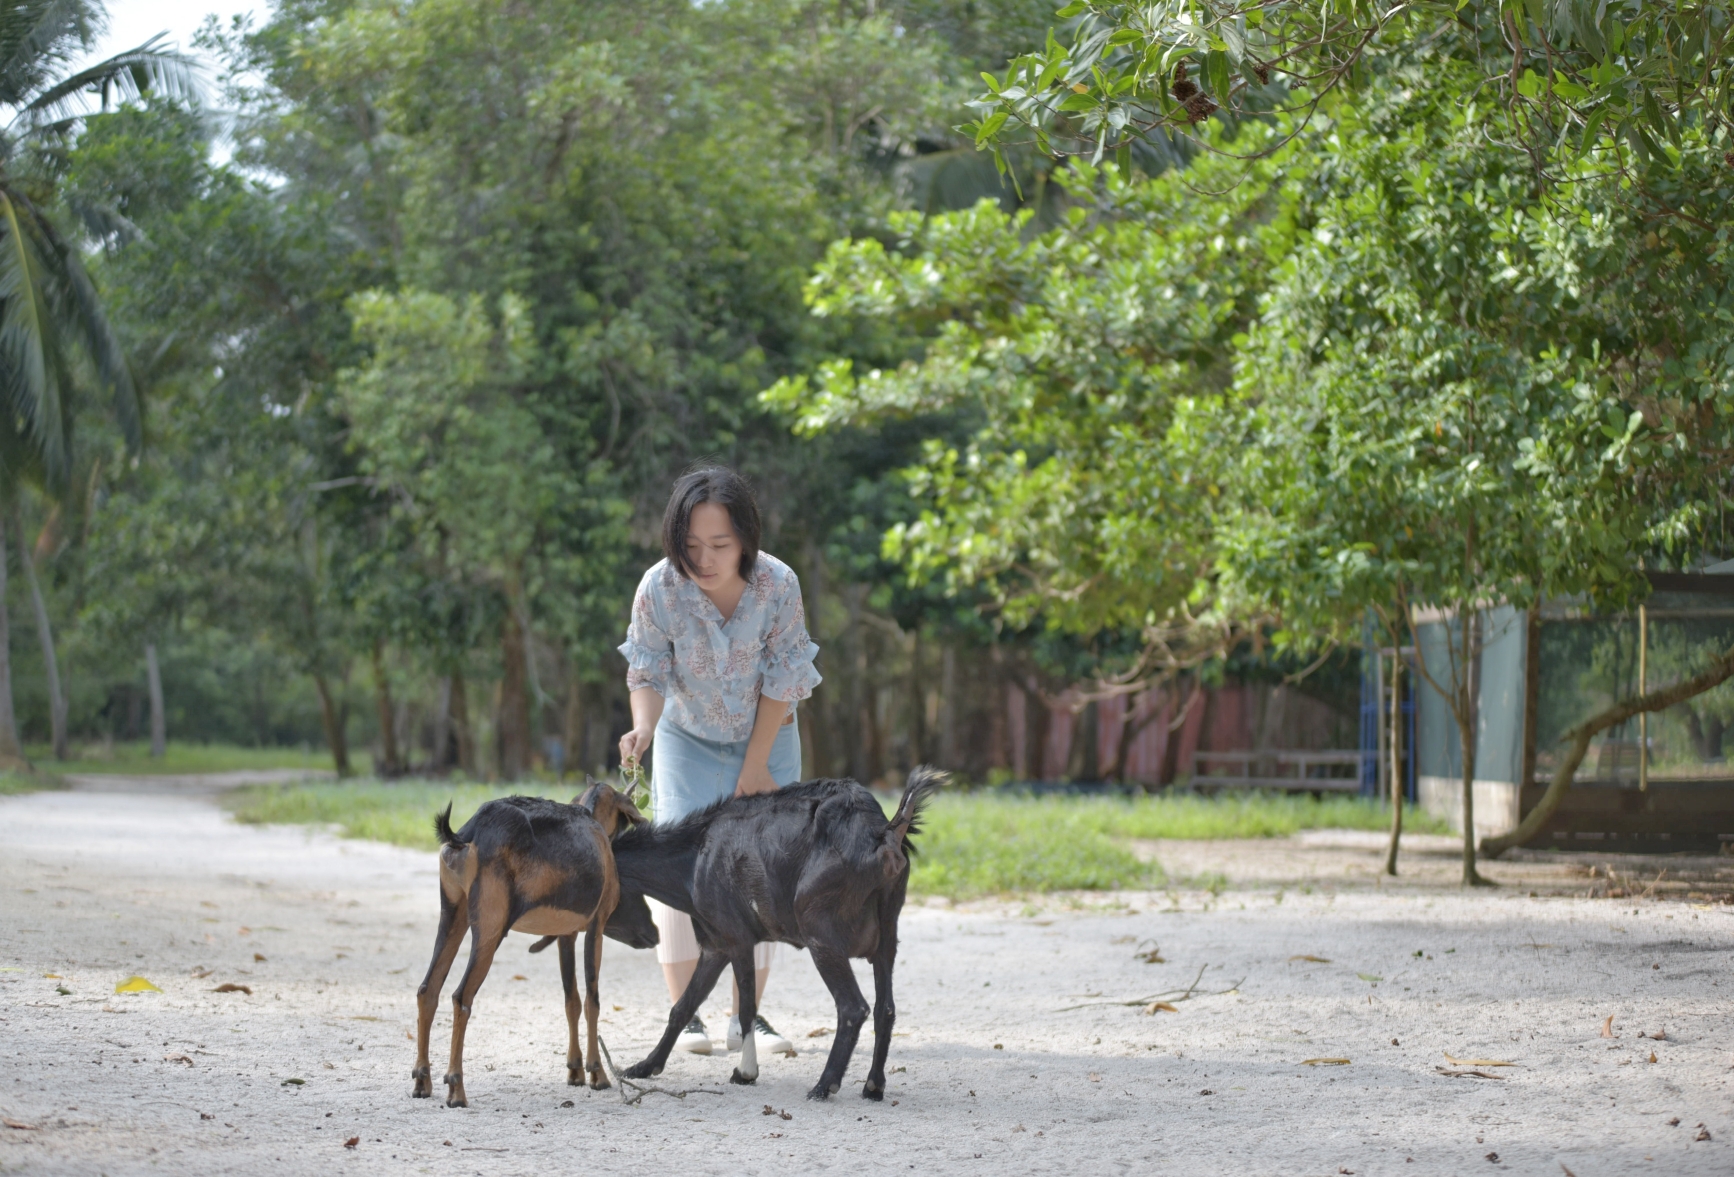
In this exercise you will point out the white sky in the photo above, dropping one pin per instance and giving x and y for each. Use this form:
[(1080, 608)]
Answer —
[(133, 22)]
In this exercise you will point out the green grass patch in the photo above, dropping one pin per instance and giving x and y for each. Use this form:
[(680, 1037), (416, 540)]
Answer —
[(14, 783), (973, 844), (399, 812), (986, 843), (133, 758)]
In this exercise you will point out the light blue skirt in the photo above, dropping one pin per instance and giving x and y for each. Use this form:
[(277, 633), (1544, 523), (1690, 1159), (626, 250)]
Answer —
[(687, 772)]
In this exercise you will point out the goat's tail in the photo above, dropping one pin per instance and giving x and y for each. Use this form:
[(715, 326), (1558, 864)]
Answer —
[(443, 827), (923, 782)]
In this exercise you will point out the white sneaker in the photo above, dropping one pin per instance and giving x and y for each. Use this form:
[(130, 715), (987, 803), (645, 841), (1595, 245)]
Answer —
[(770, 1041), (694, 1038)]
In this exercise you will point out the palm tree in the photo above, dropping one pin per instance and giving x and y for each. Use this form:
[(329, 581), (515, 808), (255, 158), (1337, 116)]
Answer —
[(54, 338)]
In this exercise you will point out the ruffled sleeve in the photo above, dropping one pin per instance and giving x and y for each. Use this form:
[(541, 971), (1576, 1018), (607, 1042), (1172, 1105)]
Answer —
[(789, 652), (648, 650)]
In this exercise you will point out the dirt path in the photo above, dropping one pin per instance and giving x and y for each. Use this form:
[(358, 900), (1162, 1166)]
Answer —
[(99, 886)]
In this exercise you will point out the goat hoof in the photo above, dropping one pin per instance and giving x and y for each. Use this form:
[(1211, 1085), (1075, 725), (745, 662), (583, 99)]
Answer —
[(820, 1093), (599, 1081), (642, 1070), (573, 1077), (872, 1092), (457, 1101), (743, 1080)]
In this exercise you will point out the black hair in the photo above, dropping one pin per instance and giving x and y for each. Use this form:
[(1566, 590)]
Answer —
[(711, 484)]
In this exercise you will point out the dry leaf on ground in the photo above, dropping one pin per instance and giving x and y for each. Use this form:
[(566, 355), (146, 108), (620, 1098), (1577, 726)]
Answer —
[(355, 1140), (1476, 1062), (1652, 1056), (1313, 959), (1703, 1133), (1151, 956), (136, 985), (1163, 1006), (200, 973), (177, 1058), (231, 987), (1368, 977), (819, 1033), (1324, 1062), (1608, 1027), (1466, 1074), (259, 957), (20, 1125)]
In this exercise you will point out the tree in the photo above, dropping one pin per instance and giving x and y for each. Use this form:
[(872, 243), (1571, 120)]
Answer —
[(51, 319), (1625, 74)]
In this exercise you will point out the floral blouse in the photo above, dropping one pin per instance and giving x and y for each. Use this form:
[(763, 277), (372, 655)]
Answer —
[(711, 672)]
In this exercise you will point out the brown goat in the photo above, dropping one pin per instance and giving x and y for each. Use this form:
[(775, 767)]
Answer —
[(528, 864)]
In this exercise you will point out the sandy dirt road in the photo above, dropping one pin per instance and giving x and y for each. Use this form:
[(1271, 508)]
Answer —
[(991, 1070)]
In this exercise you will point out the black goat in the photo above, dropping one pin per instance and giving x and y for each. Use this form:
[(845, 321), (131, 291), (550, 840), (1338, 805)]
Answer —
[(816, 865), (528, 864)]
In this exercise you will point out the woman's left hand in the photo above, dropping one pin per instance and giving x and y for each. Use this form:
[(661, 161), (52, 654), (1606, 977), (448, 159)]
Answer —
[(755, 779)]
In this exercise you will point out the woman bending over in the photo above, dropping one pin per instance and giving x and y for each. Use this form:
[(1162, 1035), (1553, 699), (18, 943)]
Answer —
[(717, 657)]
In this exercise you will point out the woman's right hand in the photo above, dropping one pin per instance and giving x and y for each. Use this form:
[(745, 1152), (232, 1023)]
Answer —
[(635, 743)]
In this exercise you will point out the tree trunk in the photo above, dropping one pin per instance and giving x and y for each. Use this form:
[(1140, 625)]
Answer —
[(11, 752), (1036, 724), (1531, 696), (572, 723), (917, 703), (45, 635), (1468, 711), (1720, 670), (333, 721), (948, 705), (440, 749), (464, 736), (514, 717), (390, 763), (154, 683), (1082, 757), (1396, 745)]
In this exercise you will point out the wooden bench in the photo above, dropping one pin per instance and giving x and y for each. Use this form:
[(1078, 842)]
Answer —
[(1329, 771)]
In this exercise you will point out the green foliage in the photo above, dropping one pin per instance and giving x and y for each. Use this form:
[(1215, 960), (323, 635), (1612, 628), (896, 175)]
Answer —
[(1629, 75)]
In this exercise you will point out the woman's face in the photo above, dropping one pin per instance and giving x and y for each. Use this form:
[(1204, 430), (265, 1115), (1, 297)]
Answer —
[(713, 550)]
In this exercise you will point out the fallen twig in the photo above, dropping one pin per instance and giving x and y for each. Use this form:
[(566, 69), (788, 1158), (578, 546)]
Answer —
[(1171, 995), (621, 1083), (1466, 1074)]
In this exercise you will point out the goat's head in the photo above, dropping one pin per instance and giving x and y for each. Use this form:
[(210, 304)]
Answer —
[(611, 808)]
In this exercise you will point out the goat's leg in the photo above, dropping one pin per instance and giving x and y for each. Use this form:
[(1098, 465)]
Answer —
[(704, 978), (884, 1010), (488, 924), (454, 920), (834, 970), (569, 986), (593, 1003), (746, 1007)]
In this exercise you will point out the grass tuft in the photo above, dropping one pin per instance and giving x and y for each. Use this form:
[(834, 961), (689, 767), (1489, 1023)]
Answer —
[(398, 812)]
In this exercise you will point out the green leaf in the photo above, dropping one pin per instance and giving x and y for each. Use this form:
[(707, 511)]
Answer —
[(1529, 84)]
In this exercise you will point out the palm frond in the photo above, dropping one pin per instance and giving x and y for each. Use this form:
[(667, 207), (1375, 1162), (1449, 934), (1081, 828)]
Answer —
[(36, 37), (73, 300), (125, 75), (28, 388)]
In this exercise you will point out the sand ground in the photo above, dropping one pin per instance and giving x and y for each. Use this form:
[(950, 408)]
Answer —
[(993, 1067)]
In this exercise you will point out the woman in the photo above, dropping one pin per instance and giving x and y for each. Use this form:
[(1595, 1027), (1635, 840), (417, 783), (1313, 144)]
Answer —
[(717, 656)]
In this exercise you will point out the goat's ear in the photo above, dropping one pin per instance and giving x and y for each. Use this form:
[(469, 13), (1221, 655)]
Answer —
[(623, 802), (587, 799)]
